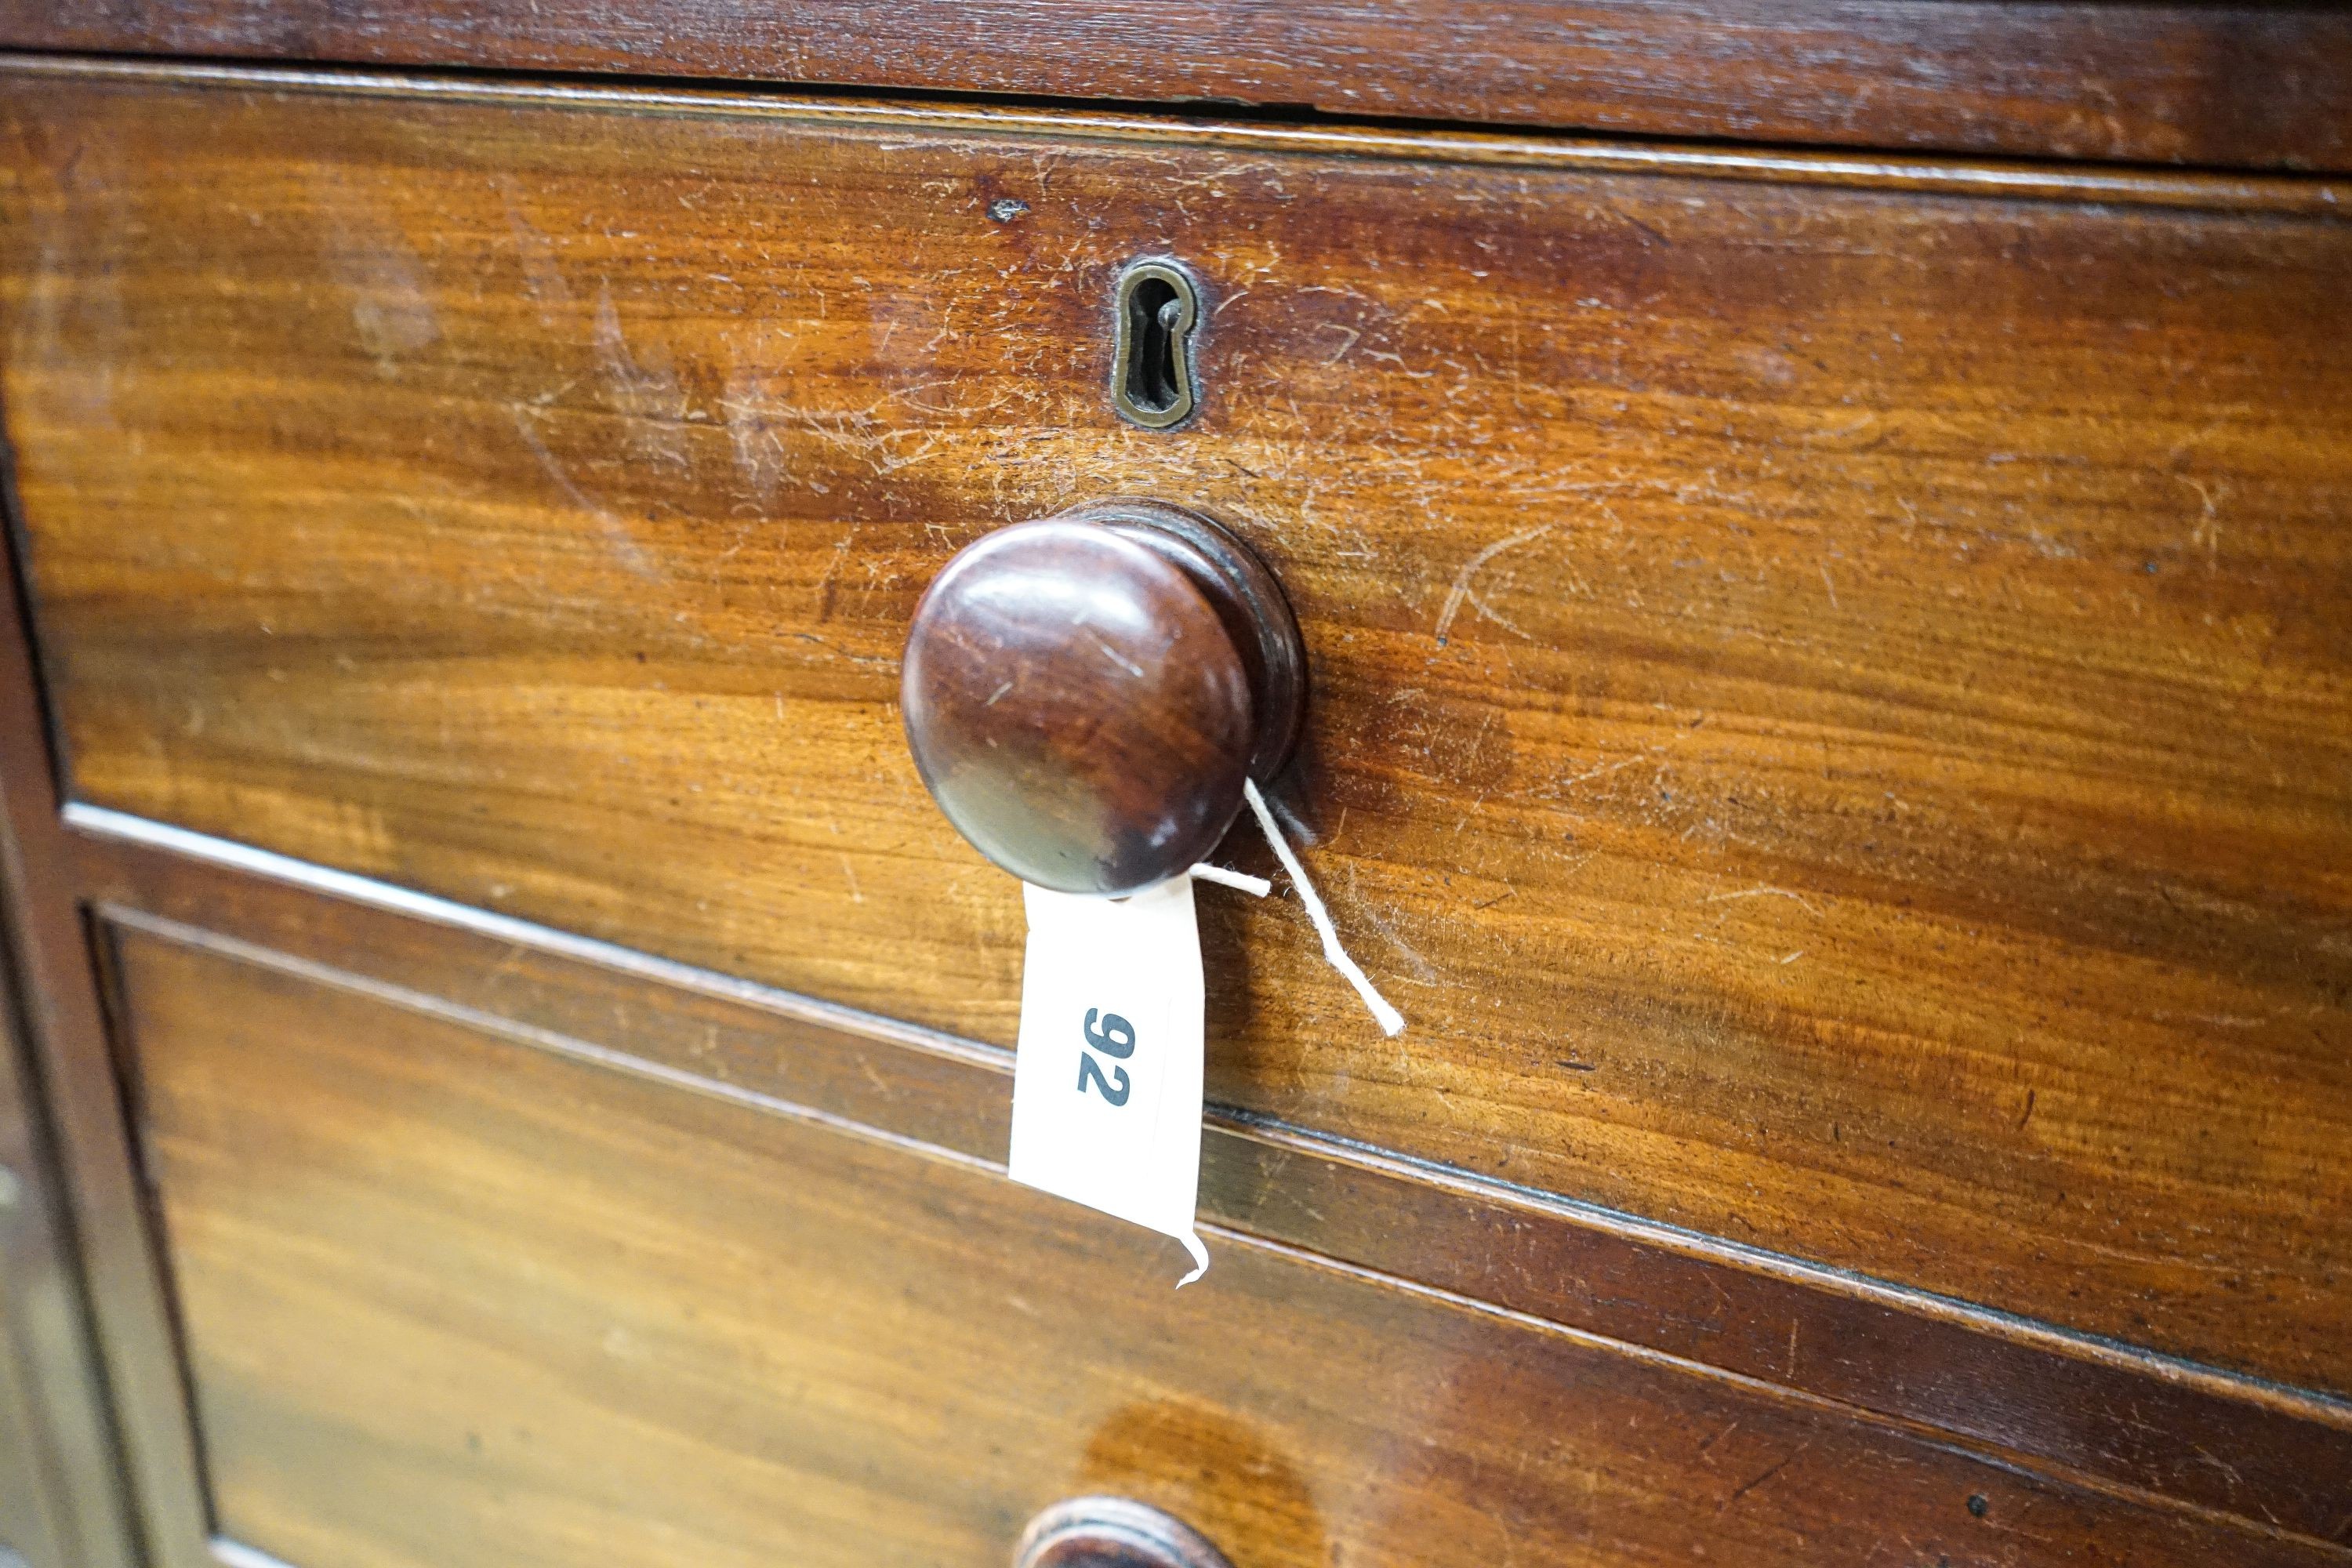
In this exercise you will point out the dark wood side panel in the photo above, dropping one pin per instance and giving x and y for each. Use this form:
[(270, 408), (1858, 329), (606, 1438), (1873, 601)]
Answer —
[(59, 1503), (2016, 1392), (1831, 712), (99, 1364), (454, 1300), (2249, 85)]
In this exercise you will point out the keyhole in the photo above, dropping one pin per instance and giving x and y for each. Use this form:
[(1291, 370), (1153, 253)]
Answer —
[(1152, 383)]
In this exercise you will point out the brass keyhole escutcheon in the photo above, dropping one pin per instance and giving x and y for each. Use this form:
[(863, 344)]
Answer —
[(1152, 381)]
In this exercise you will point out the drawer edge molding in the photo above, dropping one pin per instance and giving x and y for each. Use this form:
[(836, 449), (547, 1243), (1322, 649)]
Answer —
[(2196, 84), (2110, 1415), (2288, 195)]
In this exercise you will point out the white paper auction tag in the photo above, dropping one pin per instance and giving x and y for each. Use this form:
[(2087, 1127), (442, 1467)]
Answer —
[(1106, 1085)]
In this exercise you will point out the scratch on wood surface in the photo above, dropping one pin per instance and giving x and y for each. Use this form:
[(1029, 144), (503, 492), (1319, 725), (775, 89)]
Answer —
[(631, 553), (1763, 892), (1460, 589), (1422, 968), (1767, 1476)]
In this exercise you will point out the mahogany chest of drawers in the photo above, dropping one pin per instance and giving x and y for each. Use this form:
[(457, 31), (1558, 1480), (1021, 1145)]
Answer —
[(1821, 537)]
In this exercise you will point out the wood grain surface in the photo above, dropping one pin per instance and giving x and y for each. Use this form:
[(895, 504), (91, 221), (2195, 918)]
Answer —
[(1830, 708), (453, 1299), (2024, 1395), (101, 1371), (2253, 85)]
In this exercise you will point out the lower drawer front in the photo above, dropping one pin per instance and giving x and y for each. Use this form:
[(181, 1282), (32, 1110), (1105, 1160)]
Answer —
[(452, 1297)]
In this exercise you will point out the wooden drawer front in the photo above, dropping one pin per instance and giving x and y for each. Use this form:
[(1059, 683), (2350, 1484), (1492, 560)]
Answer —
[(453, 1297), (1830, 702)]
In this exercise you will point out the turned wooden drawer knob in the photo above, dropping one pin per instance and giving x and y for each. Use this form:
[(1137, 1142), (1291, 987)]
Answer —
[(1112, 1533), (1085, 694)]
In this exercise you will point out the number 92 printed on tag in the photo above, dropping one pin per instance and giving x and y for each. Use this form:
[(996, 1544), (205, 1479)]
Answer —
[(1116, 1038), (1106, 1085)]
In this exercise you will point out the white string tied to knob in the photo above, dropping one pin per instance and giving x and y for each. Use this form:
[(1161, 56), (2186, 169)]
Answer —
[(1240, 881), (1391, 1021)]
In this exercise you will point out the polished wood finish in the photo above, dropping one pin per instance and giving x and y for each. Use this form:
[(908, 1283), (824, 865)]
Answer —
[(1848, 753), (530, 1301), (1073, 704), (2256, 85), (1085, 695), (2116, 1419), (114, 1449)]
